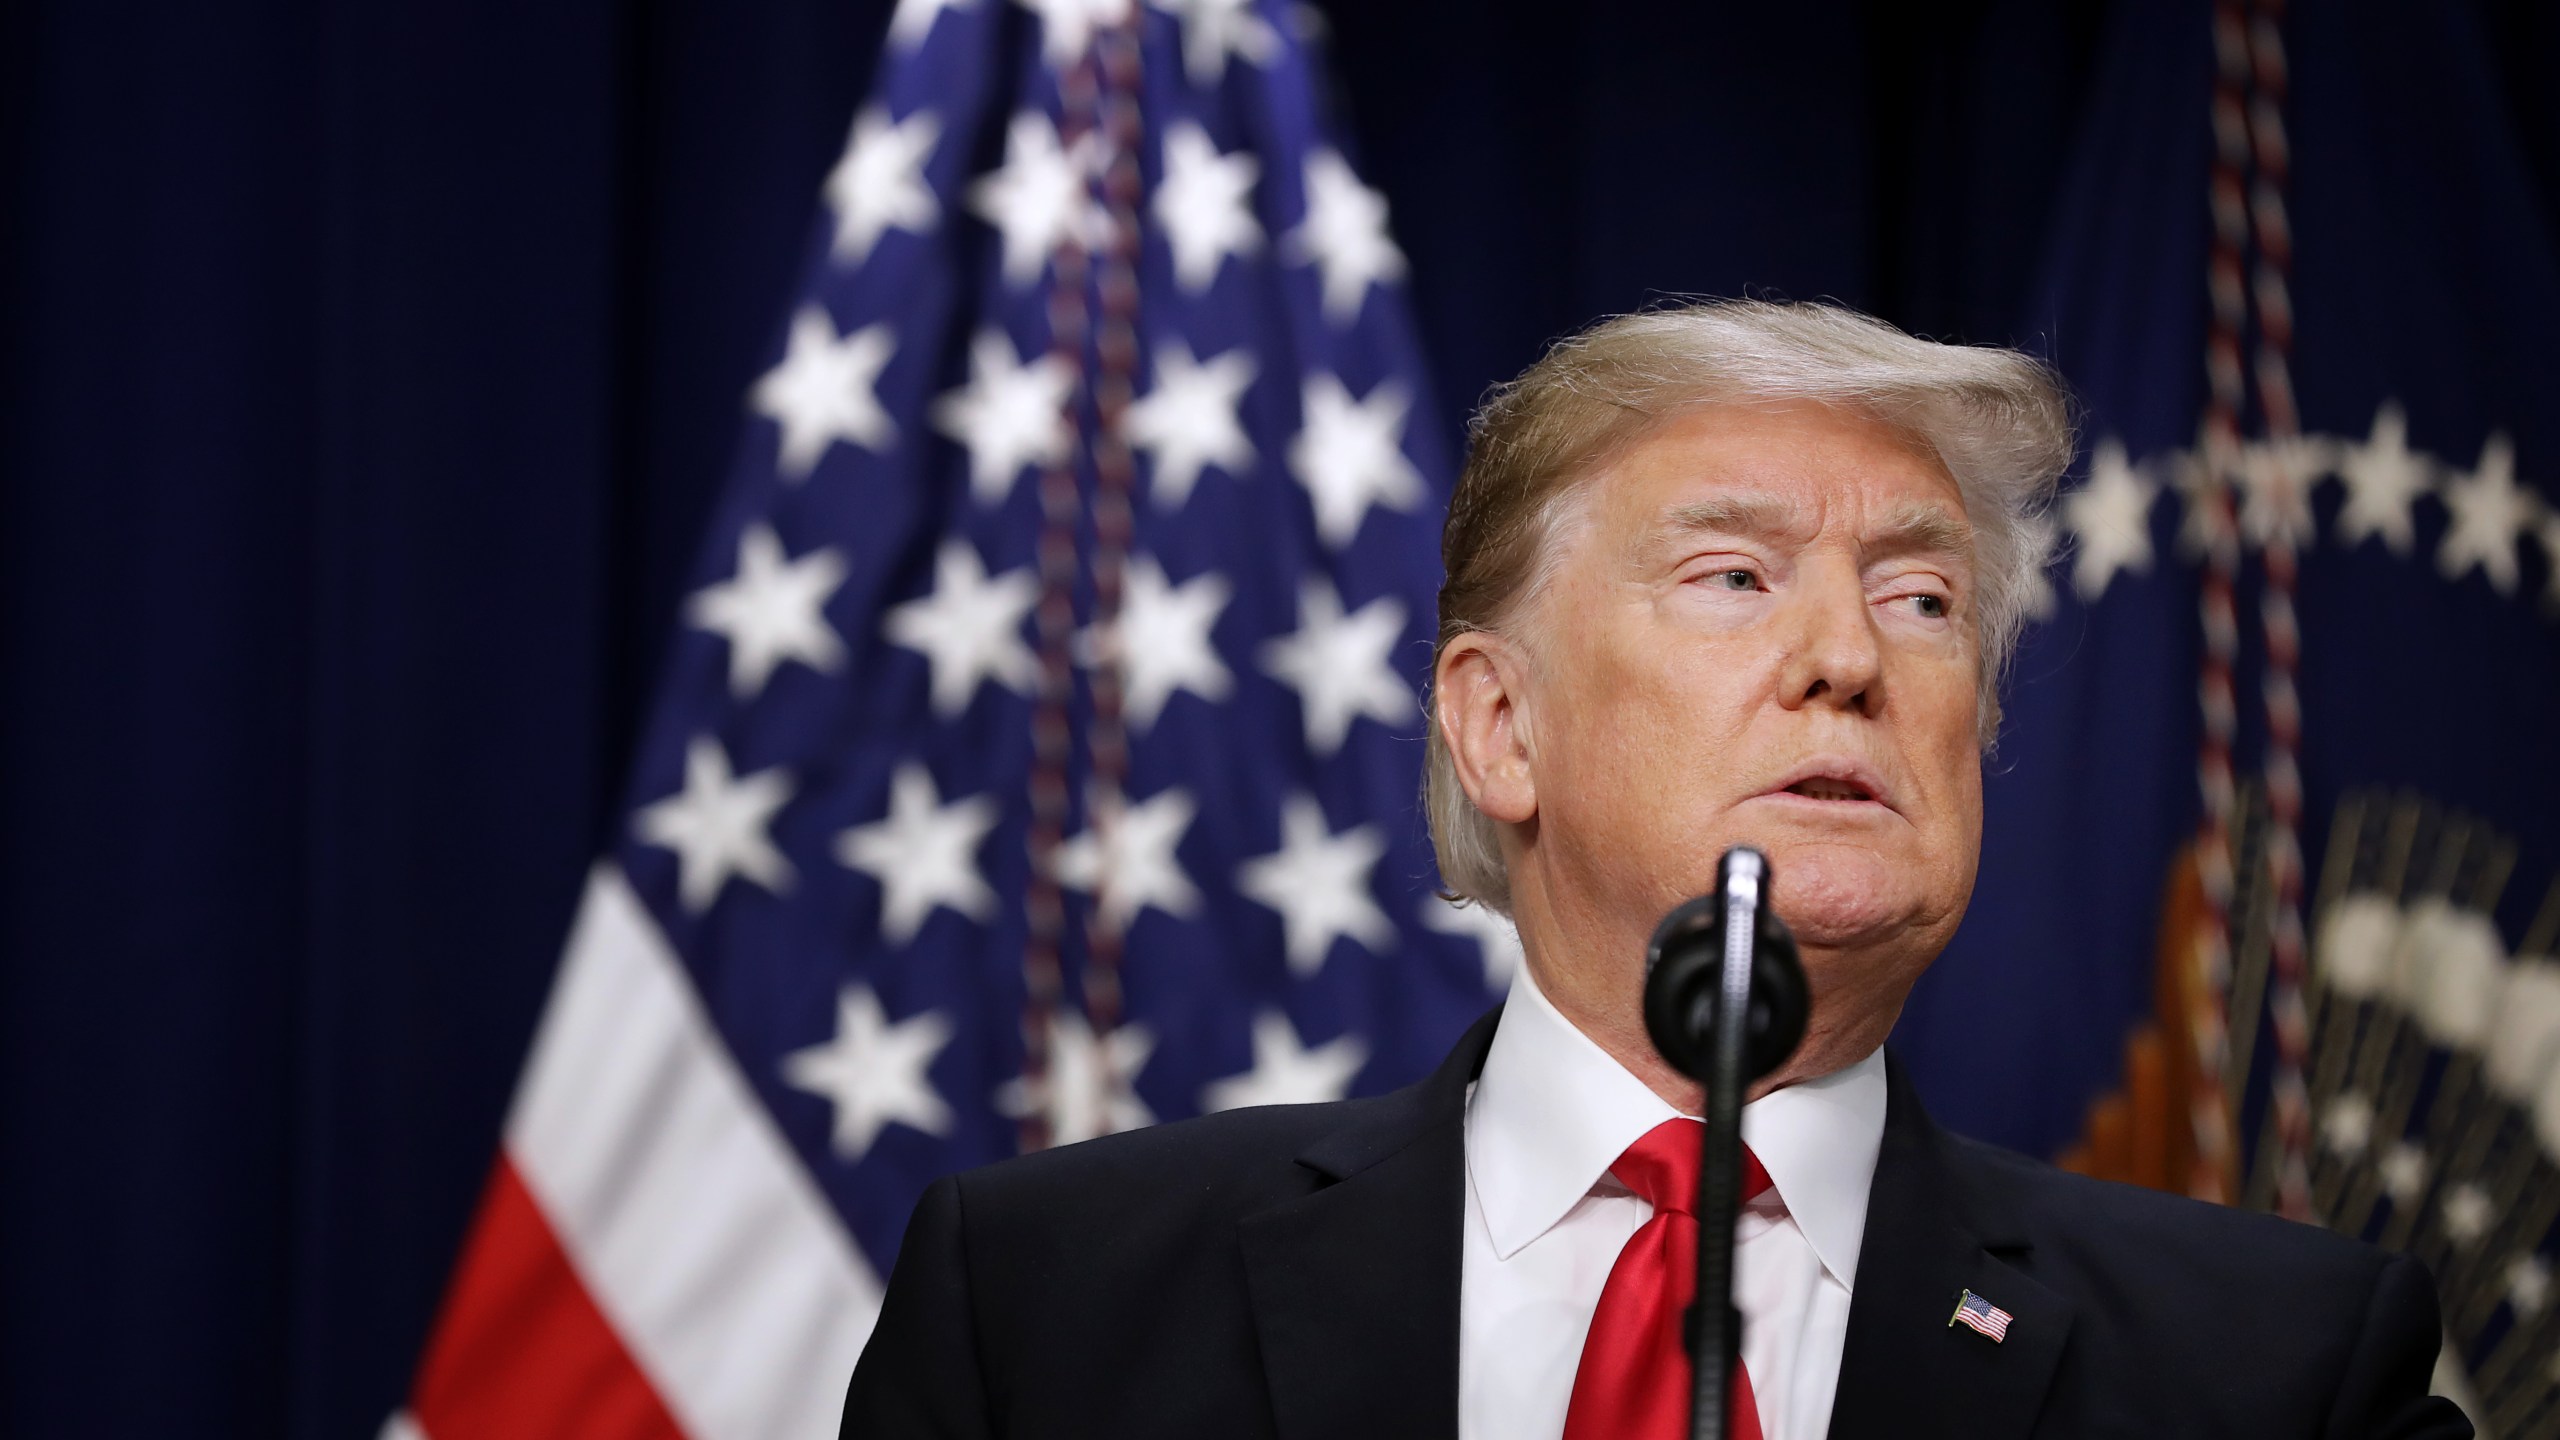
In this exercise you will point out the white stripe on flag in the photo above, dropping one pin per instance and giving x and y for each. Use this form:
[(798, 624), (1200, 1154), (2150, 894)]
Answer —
[(702, 1239)]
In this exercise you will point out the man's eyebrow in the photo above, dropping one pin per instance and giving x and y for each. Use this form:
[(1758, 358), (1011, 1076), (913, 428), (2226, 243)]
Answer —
[(1733, 515), (1914, 527), (1921, 528)]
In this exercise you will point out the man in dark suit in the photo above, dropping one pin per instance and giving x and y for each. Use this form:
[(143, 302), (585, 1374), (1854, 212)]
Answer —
[(1727, 574)]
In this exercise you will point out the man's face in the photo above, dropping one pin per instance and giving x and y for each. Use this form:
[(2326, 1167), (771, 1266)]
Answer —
[(1762, 633)]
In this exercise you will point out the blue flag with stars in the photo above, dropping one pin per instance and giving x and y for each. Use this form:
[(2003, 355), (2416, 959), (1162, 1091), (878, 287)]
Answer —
[(2274, 791), (1041, 754)]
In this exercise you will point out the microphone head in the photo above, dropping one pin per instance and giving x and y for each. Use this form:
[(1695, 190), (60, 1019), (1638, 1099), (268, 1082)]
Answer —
[(1684, 967), (1743, 874)]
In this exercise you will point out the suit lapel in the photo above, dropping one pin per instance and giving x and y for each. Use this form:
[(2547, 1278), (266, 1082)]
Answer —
[(1355, 1286), (1904, 1370)]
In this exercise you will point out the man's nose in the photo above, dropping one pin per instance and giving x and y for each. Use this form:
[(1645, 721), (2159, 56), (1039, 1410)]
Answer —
[(1833, 657)]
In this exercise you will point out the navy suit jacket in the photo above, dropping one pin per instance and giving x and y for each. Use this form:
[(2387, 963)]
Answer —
[(1293, 1271)]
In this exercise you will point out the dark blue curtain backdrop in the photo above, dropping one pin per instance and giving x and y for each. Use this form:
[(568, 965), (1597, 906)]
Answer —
[(365, 373)]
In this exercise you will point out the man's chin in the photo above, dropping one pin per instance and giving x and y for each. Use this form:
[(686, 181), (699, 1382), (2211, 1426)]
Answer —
[(1838, 899), (1842, 932)]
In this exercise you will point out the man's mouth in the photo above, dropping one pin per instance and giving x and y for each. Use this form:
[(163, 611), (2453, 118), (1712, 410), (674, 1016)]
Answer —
[(1826, 788), (1836, 780)]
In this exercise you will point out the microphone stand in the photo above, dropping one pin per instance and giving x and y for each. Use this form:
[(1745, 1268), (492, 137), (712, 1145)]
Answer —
[(1725, 1003)]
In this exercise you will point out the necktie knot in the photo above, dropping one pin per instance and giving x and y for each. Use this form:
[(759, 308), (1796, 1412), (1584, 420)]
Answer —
[(1662, 1168)]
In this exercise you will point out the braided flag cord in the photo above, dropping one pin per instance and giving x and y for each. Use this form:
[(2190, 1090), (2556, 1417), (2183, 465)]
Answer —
[(2281, 485), (2247, 269), (2216, 535), (1039, 758)]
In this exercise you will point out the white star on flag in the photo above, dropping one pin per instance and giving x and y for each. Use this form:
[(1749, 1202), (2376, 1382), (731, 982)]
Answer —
[(2528, 1285), (1350, 455), (1214, 29), (1039, 198), (2347, 1127), (1205, 204), (2404, 1172), (2110, 520), (1162, 640), (914, 19), (1286, 1072), (2276, 476), (822, 391), (1010, 414), (1067, 26), (717, 825), (969, 627), (1319, 884), (873, 1072), (1189, 420), (1497, 939), (2489, 514), (1344, 235), (2468, 1213), (771, 610), (1087, 1088), (879, 184), (924, 853), (1128, 860), (2383, 480), (1338, 663), (2202, 527)]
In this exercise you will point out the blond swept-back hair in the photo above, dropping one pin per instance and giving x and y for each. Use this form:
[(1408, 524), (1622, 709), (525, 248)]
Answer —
[(1997, 419)]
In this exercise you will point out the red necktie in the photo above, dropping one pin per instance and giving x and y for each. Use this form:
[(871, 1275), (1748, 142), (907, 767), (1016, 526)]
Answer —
[(1634, 1381)]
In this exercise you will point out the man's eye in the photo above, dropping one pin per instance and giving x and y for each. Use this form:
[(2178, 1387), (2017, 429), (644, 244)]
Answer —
[(1932, 606), (1736, 580)]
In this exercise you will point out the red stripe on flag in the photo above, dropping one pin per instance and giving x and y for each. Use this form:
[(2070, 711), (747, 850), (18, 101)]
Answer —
[(521, 1349)]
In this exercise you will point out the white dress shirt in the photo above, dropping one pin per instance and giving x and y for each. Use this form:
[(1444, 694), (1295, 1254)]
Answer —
[(1545, 1222)]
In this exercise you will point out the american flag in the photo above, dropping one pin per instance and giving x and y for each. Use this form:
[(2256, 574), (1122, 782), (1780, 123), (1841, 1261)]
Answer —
[(1040, 754), (1975, 1313)]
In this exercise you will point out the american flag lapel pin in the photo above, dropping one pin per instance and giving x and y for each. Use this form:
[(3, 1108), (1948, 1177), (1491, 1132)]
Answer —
[(1976, 1313)]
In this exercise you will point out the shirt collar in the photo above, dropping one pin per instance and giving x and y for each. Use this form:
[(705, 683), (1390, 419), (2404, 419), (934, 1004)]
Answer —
[(1819, 1139), (1552, 1111), (1550, 1114)]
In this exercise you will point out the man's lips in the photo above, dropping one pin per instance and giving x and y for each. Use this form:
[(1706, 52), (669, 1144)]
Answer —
[(1839, 780)]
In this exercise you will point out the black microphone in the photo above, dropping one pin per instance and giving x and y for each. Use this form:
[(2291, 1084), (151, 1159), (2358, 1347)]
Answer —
[(1724, 1001)]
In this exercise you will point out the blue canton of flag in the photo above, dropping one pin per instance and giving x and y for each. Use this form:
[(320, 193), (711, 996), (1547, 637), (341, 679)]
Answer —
[(1040, 758)]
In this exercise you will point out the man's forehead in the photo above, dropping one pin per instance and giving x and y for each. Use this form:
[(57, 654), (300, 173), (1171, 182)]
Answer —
[(1889, 524), (1770, 461)]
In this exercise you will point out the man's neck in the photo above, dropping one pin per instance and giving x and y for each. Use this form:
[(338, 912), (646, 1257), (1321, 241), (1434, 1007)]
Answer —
[(1616, 1028), (1600, 1002)]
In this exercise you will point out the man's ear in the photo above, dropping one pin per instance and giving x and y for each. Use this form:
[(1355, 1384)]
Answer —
[(1477, 692)]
